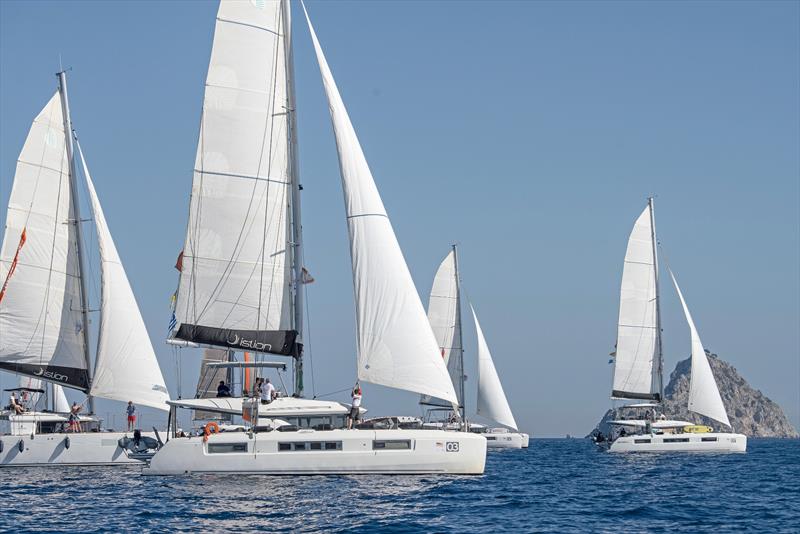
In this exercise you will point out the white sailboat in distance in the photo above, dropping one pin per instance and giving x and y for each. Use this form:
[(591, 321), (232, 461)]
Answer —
[(44, 333), (240, 286), (638, 364), (444, 314)]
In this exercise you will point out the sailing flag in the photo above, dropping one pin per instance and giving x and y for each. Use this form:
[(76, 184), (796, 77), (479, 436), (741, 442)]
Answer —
[(179, 262), (307, 278), (22, 240)]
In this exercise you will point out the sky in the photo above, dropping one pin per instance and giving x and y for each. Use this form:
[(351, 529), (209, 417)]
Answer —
[(530, 133)]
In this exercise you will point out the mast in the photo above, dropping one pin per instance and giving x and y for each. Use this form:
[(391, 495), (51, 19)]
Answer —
[(73, 185), (660, 366), (297, 228), (463, 402)]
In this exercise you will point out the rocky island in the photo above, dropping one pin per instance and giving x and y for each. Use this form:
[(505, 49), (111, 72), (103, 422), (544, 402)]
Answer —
[(750, 412)]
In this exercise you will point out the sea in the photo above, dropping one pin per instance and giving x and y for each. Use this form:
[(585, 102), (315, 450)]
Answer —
[(556, 485)]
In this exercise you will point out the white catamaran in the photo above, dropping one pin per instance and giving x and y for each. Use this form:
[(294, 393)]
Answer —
[(638, 363), (242, 274), (44, 326), (444, 314)]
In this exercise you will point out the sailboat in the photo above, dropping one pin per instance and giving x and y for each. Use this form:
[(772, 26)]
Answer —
[(638, 363), (444, 314), (242, 274), (44, 325)]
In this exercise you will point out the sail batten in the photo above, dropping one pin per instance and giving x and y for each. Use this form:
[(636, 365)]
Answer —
[(126, 368), (235, 287), (704, 397), (396, 346), (41, 325), (636, 359)]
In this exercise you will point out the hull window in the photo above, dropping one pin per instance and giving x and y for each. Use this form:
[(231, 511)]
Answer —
[(709, 439), (395, 444), (642, 441), (310, 446), (218, 448), (676, 440)]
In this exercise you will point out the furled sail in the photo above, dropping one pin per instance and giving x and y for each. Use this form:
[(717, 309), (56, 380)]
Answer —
[(704, 397), (396, 346), (492, 401), (636, 365), (126, 367), (41, 326), (235, 284), (444, 315)]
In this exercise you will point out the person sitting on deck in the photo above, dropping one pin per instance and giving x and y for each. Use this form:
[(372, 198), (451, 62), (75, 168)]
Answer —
[(223, 390), (267, 391), (13, 404)]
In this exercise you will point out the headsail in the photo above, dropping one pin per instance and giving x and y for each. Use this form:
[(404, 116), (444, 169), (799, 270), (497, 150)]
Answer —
[(396, 346), (235, 286), (704, 397), (126, 367), (636, 364), (444, 315), (41, 326), (492, 401)]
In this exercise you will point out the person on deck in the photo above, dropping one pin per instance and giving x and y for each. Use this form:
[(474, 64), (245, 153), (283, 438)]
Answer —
[(355, 409), (223, 390), (267, 391), (13, 404), (131, 411), (74, 417)]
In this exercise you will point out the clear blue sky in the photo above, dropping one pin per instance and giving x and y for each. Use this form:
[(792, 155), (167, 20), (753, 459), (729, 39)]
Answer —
[(529, 132)]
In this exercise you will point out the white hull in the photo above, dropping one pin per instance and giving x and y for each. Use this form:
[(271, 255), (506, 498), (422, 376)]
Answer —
[(685, 442), (507, 440), (87, 448), (347, 452)]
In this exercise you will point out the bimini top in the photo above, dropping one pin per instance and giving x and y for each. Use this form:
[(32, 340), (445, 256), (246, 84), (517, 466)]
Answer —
[(280, 407), (668, 423)]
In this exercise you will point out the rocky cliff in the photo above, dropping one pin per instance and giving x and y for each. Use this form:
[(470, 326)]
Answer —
[(750, 412)]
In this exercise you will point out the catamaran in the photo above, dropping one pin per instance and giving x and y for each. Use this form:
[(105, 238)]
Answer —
[(444, 314), (638, 363), (44, 326), (242, 274)]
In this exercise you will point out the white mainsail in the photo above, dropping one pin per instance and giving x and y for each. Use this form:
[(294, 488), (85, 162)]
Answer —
[(444, 316), (41, 326), (396, 346), (636, 365), (704, 397), (235, 286), (126, 367), (492, 401)]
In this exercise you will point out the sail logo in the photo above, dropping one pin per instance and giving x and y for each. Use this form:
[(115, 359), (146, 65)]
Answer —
[(252, 344), (51, 375)]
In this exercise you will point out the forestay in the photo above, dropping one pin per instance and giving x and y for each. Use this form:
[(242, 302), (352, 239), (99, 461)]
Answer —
[(704, 397), (492, 401), (235, 284), (444, 316), (396, 346), (41, 327), (635, 364), (126, 367)]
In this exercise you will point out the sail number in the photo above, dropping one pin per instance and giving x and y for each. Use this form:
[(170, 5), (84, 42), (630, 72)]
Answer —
[(452, 446)]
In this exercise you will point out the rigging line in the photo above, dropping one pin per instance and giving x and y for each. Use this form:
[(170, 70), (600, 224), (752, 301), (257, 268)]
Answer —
[(332, 393), (307, 336)]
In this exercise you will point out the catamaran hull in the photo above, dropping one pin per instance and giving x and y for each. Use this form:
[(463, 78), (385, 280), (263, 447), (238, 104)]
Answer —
[(89, 448), (686, 442), (347, 452), (509, 440)]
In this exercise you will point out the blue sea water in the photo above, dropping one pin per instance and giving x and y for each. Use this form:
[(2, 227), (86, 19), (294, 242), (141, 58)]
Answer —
[(557, 485)]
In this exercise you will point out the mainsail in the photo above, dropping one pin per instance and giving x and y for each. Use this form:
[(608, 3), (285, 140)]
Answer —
[(235, 288), (444, 315), (126, 367), (492, 401), (636, 366), (396, 346), (41, 323), (704, 397)]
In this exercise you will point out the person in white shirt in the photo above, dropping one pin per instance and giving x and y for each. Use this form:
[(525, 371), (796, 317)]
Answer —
[(267, 391), (355, 410)]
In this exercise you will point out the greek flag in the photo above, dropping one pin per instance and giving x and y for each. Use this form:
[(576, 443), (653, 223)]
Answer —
[(173, 322)]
